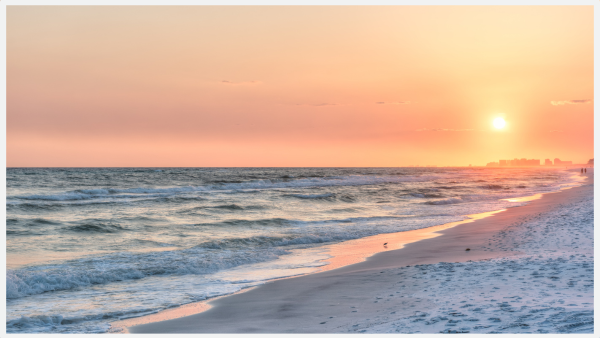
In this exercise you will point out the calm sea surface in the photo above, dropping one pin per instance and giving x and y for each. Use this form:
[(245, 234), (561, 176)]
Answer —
[(89, 246)]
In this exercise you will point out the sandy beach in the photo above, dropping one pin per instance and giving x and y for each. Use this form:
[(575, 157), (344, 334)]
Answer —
[(529, 269)]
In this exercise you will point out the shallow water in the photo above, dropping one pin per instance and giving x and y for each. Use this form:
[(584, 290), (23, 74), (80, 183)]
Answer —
[(89, 246)]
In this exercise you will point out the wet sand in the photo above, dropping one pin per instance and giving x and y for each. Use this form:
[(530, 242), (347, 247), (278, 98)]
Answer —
[(338, 300)]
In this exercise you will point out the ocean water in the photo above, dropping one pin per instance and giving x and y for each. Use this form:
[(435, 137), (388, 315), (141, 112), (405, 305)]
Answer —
[(86, 247)]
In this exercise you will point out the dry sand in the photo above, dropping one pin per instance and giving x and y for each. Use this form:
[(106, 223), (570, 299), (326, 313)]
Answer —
[(408, 290)]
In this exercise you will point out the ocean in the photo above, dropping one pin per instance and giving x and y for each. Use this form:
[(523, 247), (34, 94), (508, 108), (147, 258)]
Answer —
[(88, 246)]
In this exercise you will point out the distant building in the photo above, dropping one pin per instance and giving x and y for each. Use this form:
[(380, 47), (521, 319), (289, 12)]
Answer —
[(523, 162), (557, 161), (492, 164), (548, 162), (591, 161)]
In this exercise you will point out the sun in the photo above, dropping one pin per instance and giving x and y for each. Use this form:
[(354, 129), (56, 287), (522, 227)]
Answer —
[(499, 123)]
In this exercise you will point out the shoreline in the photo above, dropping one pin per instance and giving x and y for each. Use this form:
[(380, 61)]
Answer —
[(343, 254), (424, 246)]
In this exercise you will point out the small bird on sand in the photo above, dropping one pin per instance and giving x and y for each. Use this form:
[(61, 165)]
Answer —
[(468, 249), (384, 244)]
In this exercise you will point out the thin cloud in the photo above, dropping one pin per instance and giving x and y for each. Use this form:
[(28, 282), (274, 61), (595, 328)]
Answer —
[(399, 102), (318, 104), (242, 83), (561, 103), (443, 129)]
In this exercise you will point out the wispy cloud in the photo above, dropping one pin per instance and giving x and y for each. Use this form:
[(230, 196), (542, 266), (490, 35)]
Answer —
[(561, 103), (318, 104), (242, 83), (442, 129), (399, 102)]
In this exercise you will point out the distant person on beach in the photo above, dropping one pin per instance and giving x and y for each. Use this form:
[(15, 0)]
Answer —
[(585, 170), (582, 170)]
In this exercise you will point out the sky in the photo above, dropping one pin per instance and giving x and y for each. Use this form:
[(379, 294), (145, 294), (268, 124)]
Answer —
[(258, 86)]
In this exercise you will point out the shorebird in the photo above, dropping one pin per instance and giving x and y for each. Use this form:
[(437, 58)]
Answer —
[(384, 244)]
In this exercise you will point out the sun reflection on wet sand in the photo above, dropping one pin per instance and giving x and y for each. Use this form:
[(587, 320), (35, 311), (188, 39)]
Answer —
[(524, 199), (358, 250), (178, 312)]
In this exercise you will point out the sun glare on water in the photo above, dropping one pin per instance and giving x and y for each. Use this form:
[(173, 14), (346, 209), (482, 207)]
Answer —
[(499, 123)]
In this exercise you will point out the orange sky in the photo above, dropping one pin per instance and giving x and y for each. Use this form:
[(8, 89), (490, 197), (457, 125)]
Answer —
[(297, 86)]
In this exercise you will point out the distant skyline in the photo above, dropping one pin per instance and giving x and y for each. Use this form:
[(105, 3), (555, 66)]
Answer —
[(166, 86), (527, 162)]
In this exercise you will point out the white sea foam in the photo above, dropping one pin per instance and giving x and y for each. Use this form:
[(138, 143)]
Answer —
[(125, 266)]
